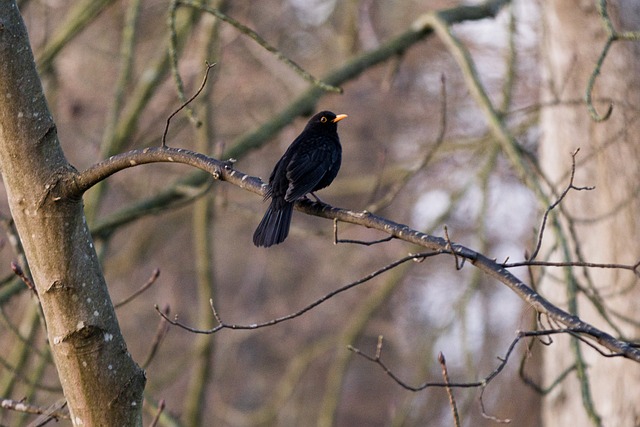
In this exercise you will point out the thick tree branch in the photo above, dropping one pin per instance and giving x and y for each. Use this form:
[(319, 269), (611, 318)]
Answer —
[(81, 182), (224, 172)]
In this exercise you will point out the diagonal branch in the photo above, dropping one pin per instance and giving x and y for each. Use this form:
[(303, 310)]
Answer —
[(223, 171)]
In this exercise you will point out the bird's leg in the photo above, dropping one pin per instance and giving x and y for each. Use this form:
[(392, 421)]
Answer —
[(318, 200)]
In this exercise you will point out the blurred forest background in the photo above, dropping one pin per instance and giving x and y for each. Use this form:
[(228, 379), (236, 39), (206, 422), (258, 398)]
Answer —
[(109, 84)]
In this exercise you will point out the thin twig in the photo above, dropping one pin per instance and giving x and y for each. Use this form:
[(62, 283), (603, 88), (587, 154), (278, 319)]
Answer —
[(568, 188), (187, 102), (633, 268), (222, 325), (452, 400), (56, 411), (484, 413), (483, 383), (336, 240), (147, 285), (20, 273), (173, 61), (161, 332), (459, 264), (156, 419)]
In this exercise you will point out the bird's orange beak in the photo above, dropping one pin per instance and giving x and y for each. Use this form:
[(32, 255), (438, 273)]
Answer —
[(339, 117)]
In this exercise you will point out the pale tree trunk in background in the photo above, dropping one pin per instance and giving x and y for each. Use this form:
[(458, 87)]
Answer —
[(607, 218)]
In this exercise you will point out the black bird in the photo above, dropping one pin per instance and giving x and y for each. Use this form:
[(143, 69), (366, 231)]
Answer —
[(310, 163)]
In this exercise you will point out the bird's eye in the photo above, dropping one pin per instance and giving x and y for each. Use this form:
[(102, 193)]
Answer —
[(323, 119)]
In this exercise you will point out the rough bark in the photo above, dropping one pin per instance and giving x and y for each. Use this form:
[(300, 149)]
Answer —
[(606, 219), (101, 382)]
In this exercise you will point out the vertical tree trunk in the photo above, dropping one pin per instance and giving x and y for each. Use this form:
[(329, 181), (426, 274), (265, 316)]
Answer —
[(606, 219), (101, 382)]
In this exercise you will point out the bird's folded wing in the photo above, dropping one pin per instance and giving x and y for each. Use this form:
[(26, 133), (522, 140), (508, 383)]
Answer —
[(305, 172)]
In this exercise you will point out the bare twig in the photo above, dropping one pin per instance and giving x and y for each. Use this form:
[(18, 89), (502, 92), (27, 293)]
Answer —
[(487, 416), (222, 325), (20, 273), (156, 419), (633, 268), (574, 332), (336, 240), (568, 188), (452, 400), (161, 332), (187, 102), (56, 411), (147, 285), (459, 264)]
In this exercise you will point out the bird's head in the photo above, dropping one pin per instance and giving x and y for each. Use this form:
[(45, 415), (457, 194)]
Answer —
[(325, 119)]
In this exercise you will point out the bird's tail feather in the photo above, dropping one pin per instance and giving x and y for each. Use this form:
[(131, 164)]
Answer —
[(274, 227)]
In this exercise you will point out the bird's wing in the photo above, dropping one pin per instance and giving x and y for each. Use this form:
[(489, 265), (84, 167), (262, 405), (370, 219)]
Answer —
[(306, 169), (278, 184)]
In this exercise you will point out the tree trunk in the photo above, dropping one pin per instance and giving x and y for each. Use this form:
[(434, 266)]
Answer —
[(605, 219), (102, 384)]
